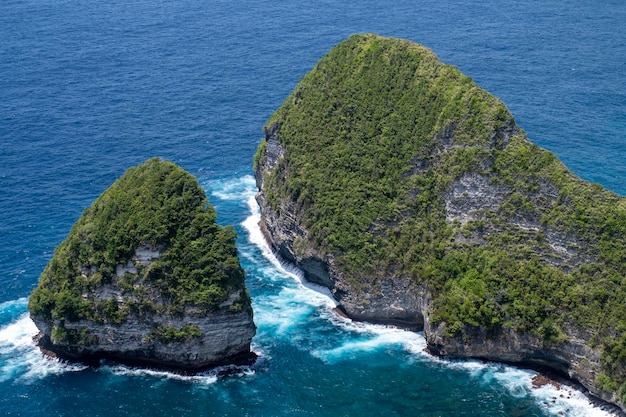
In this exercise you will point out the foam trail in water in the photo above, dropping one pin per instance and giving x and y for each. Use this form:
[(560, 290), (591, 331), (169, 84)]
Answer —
[(317, 293), (17, 335), (567, 401), (373, 337), (237, 189), (202, 379), (21, 359), (297, 299), (561, 400)]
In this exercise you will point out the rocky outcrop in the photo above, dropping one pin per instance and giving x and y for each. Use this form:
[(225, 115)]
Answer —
[(474, 193), (224, 338), (204, 338), (147, 278), (397, 300), (574, 358)]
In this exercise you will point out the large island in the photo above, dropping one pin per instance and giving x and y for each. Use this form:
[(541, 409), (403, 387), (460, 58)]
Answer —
[(410, 192), (147, 277)]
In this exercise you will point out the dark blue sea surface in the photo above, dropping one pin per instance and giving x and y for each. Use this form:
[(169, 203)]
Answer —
[(90, 88)]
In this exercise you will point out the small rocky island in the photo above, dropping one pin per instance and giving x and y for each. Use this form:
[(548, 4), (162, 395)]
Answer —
[(410, 192), (147, 277)]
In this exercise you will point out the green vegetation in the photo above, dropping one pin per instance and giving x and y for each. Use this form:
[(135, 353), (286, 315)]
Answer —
[(259, 154), (169, 334), (71, 336), (376, 135), (162, 208)]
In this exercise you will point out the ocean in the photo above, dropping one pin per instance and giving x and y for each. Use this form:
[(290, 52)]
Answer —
[(90, 88)]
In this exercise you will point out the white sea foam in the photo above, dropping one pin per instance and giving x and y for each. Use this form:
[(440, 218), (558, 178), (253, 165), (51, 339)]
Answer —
[(287, 310), (566, 401), (21, 359), (236, 189), (17, 335), (563, 401), (315, 294), (560, 401), (200, 379), (372, 337), (124, 371)]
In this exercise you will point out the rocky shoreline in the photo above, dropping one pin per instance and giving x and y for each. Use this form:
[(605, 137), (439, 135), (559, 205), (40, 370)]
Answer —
[(96, 360), (146, 277), (560, 383), (547, 373), (399, 302)]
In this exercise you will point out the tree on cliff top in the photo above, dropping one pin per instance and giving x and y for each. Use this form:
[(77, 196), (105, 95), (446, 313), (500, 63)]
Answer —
[(161, 208), (378, 135)]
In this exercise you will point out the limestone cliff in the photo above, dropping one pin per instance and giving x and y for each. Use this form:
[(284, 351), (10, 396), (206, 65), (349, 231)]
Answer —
[(398, 183), (146, 277)]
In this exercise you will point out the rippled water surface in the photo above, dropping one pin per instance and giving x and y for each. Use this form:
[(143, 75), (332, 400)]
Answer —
[(89, 88)]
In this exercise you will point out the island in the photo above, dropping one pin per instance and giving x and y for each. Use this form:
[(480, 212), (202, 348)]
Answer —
[(411, 193), (146, 277)]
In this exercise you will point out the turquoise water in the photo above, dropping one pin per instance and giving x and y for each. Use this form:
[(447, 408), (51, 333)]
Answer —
[(90, 88)]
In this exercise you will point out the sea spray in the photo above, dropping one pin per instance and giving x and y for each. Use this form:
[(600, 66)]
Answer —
[(21, 359), (232, 189)]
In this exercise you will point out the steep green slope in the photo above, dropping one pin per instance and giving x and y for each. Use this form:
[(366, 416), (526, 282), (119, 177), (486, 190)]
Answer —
[(397, 165), (146, 254)]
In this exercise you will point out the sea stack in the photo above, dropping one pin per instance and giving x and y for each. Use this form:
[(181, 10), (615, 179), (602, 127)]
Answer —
[(147, 277), (412, 194)]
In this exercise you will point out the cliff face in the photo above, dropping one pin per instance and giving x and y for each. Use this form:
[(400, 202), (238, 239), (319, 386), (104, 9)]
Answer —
[(396, 182), (146, 277), (397, 299), (223, 338)]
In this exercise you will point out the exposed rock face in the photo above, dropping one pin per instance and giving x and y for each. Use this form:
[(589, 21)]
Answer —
[(573, 358), (156, 284), (225, 338), (512, 203), (398, 300)]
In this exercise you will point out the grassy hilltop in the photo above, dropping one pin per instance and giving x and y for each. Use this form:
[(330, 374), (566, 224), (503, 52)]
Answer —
[(98, 275), (399, 165)]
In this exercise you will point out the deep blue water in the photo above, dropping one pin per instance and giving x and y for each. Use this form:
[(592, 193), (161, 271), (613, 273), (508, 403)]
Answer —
[(90, 88)]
